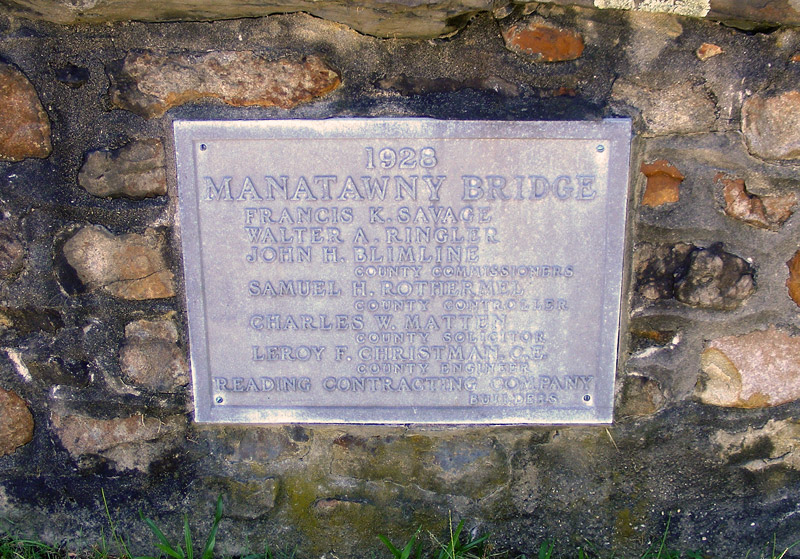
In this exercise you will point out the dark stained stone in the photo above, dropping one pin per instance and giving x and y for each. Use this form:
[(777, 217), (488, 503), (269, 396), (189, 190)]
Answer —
[(72, 75), (657, 267), (701, 277), (715, 279)]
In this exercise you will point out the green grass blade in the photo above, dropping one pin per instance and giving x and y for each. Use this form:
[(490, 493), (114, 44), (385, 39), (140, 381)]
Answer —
[(211, 541), (187, 537), (396, 552)]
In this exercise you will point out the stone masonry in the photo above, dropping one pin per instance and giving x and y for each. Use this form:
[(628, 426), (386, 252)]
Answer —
[(94, 374)]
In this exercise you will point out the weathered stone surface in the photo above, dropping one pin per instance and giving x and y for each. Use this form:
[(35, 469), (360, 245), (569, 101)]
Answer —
[(770, 123), (755, 370), (777, 443), (129, 266), (715, 280), (387, 18), (134, 171), (663, 183), (16, 422), (542, 41), (12, 251), (459, 466), (640, 396), (708, 50), (151, 356), (150, 84), (682, 108), (412, 85), (767, 212), (793, 282), (658, 267), (130, 443), (24, 127), (245, 499)]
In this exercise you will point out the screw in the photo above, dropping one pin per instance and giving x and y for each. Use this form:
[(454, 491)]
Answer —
[(587, 398), (600, 148), (203, 147), (218, 399)]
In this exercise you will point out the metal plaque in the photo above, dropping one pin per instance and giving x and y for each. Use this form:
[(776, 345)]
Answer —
[(403, 270)]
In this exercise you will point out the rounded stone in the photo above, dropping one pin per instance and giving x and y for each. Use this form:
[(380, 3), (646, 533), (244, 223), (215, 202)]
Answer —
[(770, 124), (16, 422)]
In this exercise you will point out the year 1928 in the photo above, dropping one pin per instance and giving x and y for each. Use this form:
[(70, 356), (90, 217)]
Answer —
[(403, 158)]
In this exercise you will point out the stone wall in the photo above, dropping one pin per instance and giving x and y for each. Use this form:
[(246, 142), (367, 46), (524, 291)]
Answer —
[(93, 347)]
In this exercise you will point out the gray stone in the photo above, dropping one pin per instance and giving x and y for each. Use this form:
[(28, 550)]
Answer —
[(134, 171), (149, 84), (24, 127), (770, 123), (776, 443), (245, 499), (12, 249), (16, 422), (128, 266), (470, 466), (151, 356)]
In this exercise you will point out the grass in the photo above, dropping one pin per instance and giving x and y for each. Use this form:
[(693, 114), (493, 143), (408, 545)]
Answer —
[(459, 544)]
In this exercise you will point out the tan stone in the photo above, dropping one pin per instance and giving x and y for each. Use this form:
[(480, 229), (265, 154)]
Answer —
[(793, 281), (16, 422), (24, 126), (131, 443), (682, 108), (777, 443), (708, 50), (770, 124), (663, 183), (543, 42), (130, 266), (151, 357), (135, 171), (150, 84), (758, 369), (767, 212)]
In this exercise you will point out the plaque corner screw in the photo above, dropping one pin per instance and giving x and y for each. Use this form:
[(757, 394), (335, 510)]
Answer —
[(601, 148), (587, 398), (218, 399), (203, 147)]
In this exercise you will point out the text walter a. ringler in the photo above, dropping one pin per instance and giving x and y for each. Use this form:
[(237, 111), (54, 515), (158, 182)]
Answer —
[(387, 268)]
